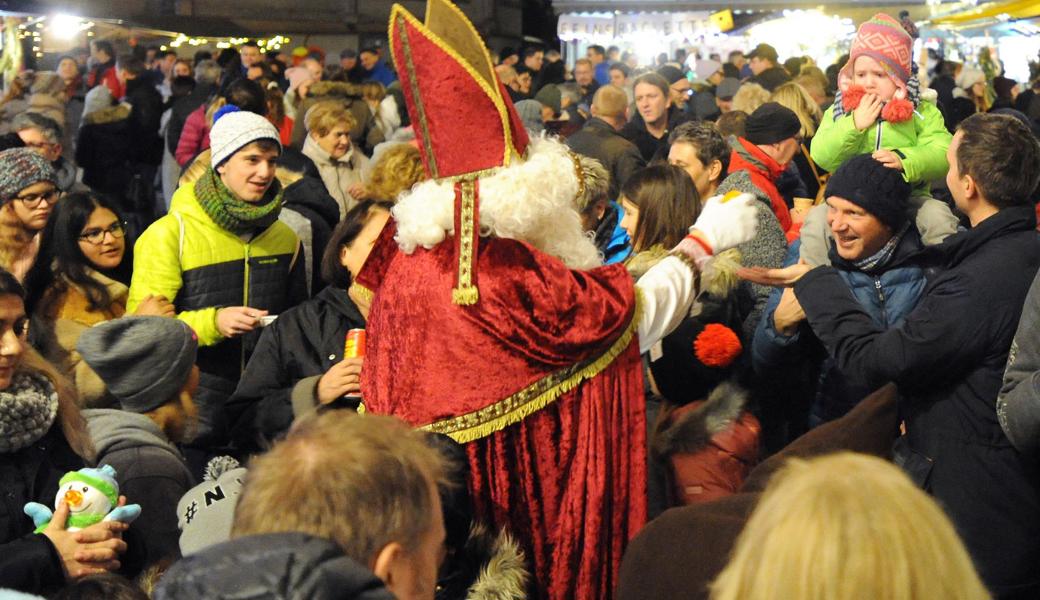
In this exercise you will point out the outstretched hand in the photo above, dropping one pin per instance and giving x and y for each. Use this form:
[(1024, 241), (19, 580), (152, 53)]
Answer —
[(785, 277)]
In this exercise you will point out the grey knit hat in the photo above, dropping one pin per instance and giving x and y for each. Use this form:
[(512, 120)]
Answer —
[(20, 168), (143, 361), (206, 512)]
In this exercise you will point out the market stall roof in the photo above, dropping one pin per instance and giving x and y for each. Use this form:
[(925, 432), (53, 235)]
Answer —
[(999, 11), (836, 6)]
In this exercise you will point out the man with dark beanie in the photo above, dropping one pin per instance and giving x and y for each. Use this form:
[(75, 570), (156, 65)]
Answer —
[(875, 249), (948, 356), (772, 138)]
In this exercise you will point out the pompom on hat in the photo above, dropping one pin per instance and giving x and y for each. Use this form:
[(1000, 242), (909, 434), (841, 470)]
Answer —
[(884, 39), (699, 355)]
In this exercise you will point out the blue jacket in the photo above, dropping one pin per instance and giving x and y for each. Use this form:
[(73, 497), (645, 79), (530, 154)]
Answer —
[(887, 297), (381, 73)]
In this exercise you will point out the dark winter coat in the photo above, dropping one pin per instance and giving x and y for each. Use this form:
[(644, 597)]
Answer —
[(150, 471), (948, 358), (620, 157), (182, 107), (313, 214), (771, 78), (145, 118), (649, 146), (888, 296), (292, 566), (28, 561), (679, 553), (103, 150), (299, 347)]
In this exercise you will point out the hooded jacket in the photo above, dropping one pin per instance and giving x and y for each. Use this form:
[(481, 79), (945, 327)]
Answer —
[(102, 150), (289, 566), (150, 470)]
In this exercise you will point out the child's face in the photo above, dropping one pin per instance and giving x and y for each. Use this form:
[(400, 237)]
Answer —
[(870, 74)]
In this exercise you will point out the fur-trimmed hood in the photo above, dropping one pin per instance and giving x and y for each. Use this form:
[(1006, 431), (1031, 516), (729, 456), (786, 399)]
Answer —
[(338, 89), (489, 567), (694, 430)]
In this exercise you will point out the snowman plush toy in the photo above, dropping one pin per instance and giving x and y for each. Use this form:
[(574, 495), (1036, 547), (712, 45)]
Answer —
[(92, 496)]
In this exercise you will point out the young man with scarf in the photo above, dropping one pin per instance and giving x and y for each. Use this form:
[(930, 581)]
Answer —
[(875, 248), (225, 260)]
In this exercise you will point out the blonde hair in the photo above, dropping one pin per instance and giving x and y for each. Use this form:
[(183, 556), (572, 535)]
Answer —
[(362, 481), (749, 97), (324, 116), (610, 101), (396, 170), (847, 526), (793, 96), (597, 181), (177, 418)]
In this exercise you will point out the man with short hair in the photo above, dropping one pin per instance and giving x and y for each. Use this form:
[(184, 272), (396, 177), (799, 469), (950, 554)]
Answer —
[(104, 69), (601, 139), (598, 56), (585, 77), (348, 60), (656, 117), (724, 93), (736, 66), (346, 506), (43, 135), (948, 356), (679, 86), (250, 54), (375, 68), (533, 57), (763, 61)]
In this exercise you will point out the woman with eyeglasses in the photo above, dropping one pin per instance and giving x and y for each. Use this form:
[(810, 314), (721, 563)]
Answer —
[(90, 269), (28, 194)]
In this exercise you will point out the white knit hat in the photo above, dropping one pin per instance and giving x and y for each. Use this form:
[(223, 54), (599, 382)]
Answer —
[(234, 130)]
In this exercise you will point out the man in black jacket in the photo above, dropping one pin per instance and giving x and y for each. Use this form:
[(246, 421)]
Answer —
[(763, 62), (949, 354), (600, 138), (207, 73), (145, 145)]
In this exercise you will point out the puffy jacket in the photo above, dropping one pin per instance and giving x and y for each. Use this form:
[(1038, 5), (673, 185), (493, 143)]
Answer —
[(103, 151), (194, 137), (202, 267), (888, 297), (289, 566), (923, 140)]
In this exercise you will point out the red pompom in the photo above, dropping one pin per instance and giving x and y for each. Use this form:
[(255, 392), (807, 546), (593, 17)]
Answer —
[(851, 97), (717, 346), (897, 110)]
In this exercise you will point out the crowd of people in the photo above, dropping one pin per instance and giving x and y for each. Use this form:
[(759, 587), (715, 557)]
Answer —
[(741, 329)]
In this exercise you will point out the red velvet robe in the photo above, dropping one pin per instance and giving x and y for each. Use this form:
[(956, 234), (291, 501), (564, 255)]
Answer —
[(558, 454)]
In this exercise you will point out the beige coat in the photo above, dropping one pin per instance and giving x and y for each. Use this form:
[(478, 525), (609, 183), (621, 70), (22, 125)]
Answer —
[(337, 175)]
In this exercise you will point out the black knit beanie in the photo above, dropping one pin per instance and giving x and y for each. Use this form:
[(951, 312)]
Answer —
[(875, 188), (771, 123)]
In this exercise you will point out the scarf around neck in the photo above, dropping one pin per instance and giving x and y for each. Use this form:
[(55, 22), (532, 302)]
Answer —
[(28, 408), (883, 256), (237, 216)]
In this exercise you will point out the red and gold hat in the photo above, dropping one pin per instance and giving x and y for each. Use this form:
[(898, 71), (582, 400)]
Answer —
[(465, 124)]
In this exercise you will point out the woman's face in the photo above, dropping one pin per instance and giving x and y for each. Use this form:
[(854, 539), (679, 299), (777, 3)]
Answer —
[(181, 69), (336, 142), (353, 255), (102, 239), (14, 325), (630, 220), (67, 69)]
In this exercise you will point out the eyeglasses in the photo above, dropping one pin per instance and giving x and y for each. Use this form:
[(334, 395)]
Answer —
[(97, 235), (33, 200)]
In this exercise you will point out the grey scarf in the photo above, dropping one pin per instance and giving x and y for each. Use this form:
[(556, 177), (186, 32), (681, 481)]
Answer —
[(882, 256), (28, 408)]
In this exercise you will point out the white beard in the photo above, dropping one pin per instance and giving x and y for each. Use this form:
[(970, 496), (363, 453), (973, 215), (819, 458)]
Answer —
[(533, 201)]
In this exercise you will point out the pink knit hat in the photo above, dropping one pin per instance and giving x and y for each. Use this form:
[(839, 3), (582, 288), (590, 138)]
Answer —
[(883, 39)]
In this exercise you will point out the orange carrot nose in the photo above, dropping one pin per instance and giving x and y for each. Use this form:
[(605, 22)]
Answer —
[(73, 497)]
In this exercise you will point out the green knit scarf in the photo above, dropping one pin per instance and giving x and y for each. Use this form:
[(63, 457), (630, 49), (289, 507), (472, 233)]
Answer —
[(237, 216)]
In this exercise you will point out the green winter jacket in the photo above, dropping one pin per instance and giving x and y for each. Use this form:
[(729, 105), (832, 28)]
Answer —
[(202, 267), (922, 140)]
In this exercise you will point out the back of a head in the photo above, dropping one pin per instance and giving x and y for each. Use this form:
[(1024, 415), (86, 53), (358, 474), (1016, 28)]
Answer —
[(1003, 157), (749, 97), (106, 586), (844, 527), (47, 126), (793, 96), (732, 123), (609, 101), (131, 64), (360, 481), (207, 72), (247, 95)]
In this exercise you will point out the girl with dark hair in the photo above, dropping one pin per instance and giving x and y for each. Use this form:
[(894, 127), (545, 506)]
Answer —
[(660, 203), (298, 363), (44, 437), (90, 269)]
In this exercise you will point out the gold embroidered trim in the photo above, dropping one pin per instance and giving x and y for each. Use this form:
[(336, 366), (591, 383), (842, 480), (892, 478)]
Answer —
[(465, 293), (414, 85), (493, 93), (361, 291), (579, 173), (483, 422)]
